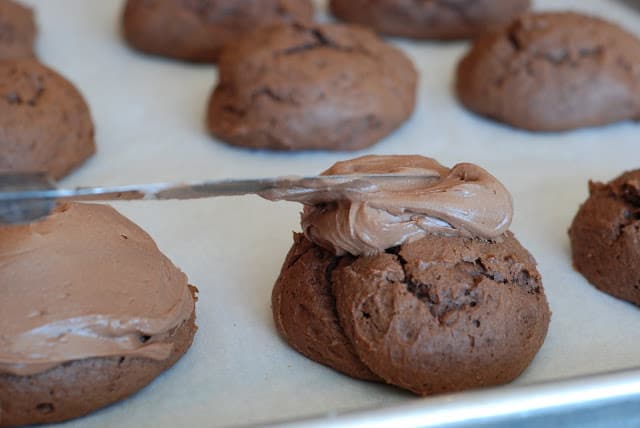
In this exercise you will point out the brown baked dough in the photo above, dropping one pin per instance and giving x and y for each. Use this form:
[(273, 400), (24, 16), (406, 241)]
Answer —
[(431, 19), (605, 234), (553, 72), (291, 87), (45, 124), (17, 30), (304, 310), (80, 387), (436, 315), (196, 30)]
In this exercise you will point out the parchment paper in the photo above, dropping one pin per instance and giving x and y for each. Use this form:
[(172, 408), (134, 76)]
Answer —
[(149, 115)]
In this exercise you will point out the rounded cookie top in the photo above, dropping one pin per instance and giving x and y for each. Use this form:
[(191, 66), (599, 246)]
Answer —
[(435, 19), (85, 300), (436, 315), (293, 87), (45, 123), (605, 235), (444, 314), (442, 311), (553, 72), (91, 311), (196, 30), (17, 30)]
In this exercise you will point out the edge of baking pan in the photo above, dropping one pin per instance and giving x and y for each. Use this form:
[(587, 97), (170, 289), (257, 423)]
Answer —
[(581, 401)]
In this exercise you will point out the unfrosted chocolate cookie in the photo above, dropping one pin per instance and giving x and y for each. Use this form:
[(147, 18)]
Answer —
[(292, 87), (304, 310), (553, 72), (436, 315), (196, 30), (17, 30), (45, 124), (85, 325), (433, 19), (605, 235)]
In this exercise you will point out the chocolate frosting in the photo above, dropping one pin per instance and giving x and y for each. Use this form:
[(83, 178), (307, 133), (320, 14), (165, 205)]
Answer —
[(462, 201), (85, 282)]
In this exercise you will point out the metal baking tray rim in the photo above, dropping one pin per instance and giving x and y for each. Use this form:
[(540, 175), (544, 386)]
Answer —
[(490, 405)]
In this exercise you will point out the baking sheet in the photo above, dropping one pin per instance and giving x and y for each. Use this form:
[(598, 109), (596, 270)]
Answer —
[(149, 115)]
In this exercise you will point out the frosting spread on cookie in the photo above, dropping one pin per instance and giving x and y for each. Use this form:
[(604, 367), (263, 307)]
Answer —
[(85, 282), (462, 201)]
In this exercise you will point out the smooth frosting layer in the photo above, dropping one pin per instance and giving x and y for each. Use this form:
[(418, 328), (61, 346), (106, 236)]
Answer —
[(85, 282), (462, 201)]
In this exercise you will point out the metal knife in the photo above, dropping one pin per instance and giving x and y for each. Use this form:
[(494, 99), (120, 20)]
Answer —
[(26, 198)]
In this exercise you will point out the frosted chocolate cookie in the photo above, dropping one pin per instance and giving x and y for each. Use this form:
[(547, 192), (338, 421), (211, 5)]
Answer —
[(17, 30), (196, 30), (417, 284), (91, 312), (45, 123), (441, 19), (328, 87), (553, 72), (605, 235)]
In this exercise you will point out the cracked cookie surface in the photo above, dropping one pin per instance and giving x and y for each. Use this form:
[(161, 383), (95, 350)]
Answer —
[(293, 87), (553, 72), (437, 315), (304, 310), (196, 30), (430, 19), (17, 30), (45, 123), (605, 235)]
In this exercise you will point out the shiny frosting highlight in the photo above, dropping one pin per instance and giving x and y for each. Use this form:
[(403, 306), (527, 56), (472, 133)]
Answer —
[(462, 201), (85, 282)]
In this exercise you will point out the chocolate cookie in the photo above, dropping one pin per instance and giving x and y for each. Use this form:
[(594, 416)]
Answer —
[(85, 325), (436, 315), (441, 19), (605, 235), (418, 283), (553, 72), (17, 30), (331, 87), (304, 310), (45, 124), (196, 30)]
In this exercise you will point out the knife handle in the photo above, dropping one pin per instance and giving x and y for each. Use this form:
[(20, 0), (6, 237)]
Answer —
[(25, 211)]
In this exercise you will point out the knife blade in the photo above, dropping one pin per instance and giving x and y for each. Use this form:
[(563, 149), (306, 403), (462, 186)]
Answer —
[(26, 198)]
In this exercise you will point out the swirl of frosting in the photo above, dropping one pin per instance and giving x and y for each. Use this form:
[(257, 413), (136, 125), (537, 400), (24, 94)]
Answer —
[(462, 201), (85, 282)]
